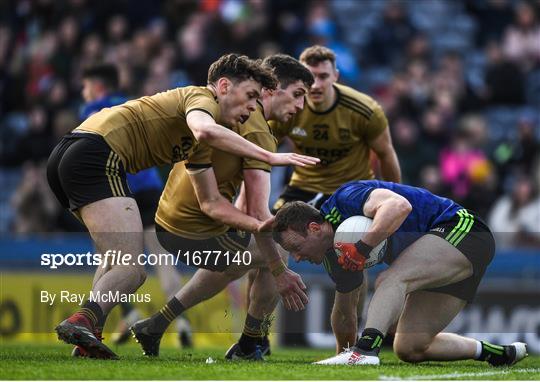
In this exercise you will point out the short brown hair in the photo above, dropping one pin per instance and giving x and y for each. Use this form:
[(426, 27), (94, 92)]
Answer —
[(238, 68), (295, 216), (316, 54), (288, 70)]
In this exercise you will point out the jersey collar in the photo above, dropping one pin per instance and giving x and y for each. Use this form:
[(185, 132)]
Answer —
[(338, 96)]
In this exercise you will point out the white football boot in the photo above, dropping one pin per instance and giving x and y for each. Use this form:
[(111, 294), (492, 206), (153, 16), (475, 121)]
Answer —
[(351, 356), (520, 352)]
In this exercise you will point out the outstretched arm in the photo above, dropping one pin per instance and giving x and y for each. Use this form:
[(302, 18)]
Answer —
[(205, 129), (256, 195), (213, 204)]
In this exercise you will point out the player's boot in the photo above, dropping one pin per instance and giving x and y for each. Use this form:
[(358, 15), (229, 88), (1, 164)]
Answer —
[(78, 330), (122, 333), (184, 332), (80, 352), (265, 346), (236, 354), (511, 354), (352, 356), (149, 341)]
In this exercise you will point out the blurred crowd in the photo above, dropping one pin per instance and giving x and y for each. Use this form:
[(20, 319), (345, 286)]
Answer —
[(459, 81)]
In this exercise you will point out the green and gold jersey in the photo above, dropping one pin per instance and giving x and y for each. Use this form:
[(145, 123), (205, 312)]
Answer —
[(338, 136), (152, 130), (179, 211)]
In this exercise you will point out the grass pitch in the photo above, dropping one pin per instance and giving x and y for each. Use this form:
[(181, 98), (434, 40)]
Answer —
[(51, 362)]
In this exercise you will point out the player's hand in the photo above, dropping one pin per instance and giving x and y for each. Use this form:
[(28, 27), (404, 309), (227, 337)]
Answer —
[(286, 159), (292, 290), (266, 226), (350, 259)]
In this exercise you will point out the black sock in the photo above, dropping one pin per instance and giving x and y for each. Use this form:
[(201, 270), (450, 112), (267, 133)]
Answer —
[(495, 353), (126, 308), (265, 341), (252, 335), (161, 320), (101, 324), (370, 340), (92, 311)]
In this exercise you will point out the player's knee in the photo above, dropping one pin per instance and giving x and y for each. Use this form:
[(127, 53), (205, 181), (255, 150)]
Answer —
[(409, 350), (140, 274), (389, 279), (411, 354), (142, 277)]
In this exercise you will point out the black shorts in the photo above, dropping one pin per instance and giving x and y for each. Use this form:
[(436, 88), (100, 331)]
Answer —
[(83, 169), (472, 237), (147, 201), (292, 194), (227, 245)]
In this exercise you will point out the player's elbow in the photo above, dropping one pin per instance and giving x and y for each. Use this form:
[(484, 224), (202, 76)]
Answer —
[(202, 133), (401, 206), (210, 208)]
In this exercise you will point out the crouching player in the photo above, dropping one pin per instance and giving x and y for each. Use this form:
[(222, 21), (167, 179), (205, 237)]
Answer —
[(196, 213), (87, 171), (438, 252)]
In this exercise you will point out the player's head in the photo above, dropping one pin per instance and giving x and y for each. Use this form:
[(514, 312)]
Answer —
[(294, 80), (237, 81), (300, 229), (321, 62), (98, 81)]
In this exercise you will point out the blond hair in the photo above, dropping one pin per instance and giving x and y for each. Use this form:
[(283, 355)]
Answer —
[(316, 54)]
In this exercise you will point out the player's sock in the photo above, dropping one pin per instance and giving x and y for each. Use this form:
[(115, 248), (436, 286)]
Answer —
[(92, 311), (370, 340), (161, 320), (251, 335), (478, 353), (101, 324), (493, 353), (126, 308)]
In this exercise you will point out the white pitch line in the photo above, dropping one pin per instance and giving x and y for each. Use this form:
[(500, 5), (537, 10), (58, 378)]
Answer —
[(456, 375)]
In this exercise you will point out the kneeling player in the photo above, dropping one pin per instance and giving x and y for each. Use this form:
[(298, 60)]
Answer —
[(438, 253)]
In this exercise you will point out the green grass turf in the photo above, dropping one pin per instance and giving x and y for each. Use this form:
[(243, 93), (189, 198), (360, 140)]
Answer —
[(23, 361)]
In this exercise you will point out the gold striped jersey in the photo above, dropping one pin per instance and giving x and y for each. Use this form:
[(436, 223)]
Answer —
[(152, 130), (338, 136), (179, 211)]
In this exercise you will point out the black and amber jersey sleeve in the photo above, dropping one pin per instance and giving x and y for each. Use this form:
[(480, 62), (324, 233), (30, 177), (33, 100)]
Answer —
[(257, 130), (262, 139), (200, 159), (377, 124), (201, 99)]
